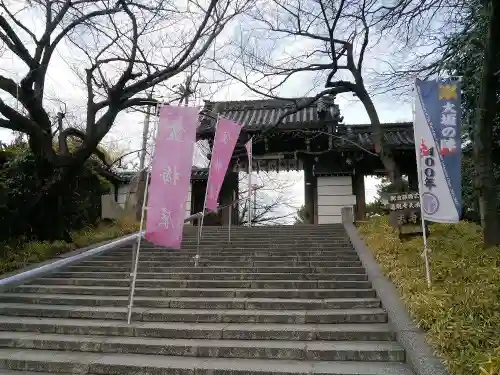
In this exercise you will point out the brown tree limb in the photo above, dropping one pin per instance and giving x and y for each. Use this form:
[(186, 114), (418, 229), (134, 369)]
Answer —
[(14, 42), (483, 130), (74, 132), (17, 22)]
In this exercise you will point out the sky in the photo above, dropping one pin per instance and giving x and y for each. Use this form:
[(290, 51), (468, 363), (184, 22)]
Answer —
[(127, 131)]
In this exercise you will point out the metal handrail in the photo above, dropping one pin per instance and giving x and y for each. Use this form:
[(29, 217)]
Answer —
[(45, 269), (220, 208), (54, 266), (196, 258)]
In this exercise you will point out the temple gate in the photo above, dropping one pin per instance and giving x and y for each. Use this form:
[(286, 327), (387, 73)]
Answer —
[(335, 157)]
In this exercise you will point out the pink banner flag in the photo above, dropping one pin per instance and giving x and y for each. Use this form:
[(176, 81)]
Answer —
[(225, 139), (171, 175)]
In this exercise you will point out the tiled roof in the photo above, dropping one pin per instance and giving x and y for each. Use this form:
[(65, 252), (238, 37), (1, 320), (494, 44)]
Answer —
[(257, 115), (261, 114), (199, 173), (395, 134)]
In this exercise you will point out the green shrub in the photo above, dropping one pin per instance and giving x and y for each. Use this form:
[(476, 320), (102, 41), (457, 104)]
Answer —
[(461, 312), (18, 255), (76, 206)]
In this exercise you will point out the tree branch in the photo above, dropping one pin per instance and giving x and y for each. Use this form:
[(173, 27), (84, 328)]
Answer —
[(17, 121), (17, 22), (365, 38), (74, 132), (14, 43), (183, 61)]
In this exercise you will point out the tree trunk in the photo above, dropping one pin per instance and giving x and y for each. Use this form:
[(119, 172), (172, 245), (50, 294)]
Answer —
[(139, 193), (390, 165), (483, 129), (53, 183)]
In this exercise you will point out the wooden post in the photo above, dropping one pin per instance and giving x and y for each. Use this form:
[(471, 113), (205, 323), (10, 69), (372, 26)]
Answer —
[(229, 186), (315, 199), (309, 191), (413, 180), (358, 185)]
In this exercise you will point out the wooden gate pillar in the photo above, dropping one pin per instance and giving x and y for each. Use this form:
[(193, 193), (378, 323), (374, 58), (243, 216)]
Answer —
[(309, 192), (413, 180), (358, 187)]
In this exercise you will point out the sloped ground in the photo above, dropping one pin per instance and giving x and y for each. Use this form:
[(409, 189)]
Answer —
[(461, 312), (289, 300), (19, 254)]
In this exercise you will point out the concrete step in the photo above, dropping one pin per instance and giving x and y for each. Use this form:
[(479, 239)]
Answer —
[(281, 238), (266, 234), (217, 251), (206, 331), (225, 258), (377, 351), (290, 300), (213, 276), (242, 247), (133, 364), (192, 303), (361, 313), (147, 264), (306, 228), (249, 284), (263, 245), (334, 316), (198, 292), (236, 237), (296, 270)]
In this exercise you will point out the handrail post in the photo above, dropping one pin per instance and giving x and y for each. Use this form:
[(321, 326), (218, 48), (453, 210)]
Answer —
[(134, 253), (249, 200), (230, 220), (197, 256)]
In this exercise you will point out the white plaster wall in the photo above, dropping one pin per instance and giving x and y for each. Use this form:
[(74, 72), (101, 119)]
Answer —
[(188, 203), (334, 193), (124, 190), (122, 195)]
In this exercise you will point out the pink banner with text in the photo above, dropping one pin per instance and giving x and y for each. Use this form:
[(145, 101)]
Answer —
[(225, 139), (171, 175)]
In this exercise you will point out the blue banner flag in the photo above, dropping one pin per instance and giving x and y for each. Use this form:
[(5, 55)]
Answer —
[(437, 147)]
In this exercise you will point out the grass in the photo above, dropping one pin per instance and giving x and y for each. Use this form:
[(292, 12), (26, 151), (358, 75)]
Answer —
[(461, 312), (23, 254)]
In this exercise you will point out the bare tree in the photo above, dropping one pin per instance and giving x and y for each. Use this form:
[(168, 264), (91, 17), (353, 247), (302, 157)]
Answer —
[(301, 215), (272, 204), (483, 129), (423, 35), (453, 30), (118, 48), (322, 41)]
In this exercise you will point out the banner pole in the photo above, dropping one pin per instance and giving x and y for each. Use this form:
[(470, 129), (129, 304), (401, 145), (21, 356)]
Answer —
[(229, 224), (425, 253), (200, 231), (133, 275), (250, 160)]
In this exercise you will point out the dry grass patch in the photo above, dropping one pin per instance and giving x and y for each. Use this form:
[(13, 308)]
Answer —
[(19, 255), (461, 312)]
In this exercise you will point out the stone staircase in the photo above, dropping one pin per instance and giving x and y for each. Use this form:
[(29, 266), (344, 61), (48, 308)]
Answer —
[(276, 300)]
